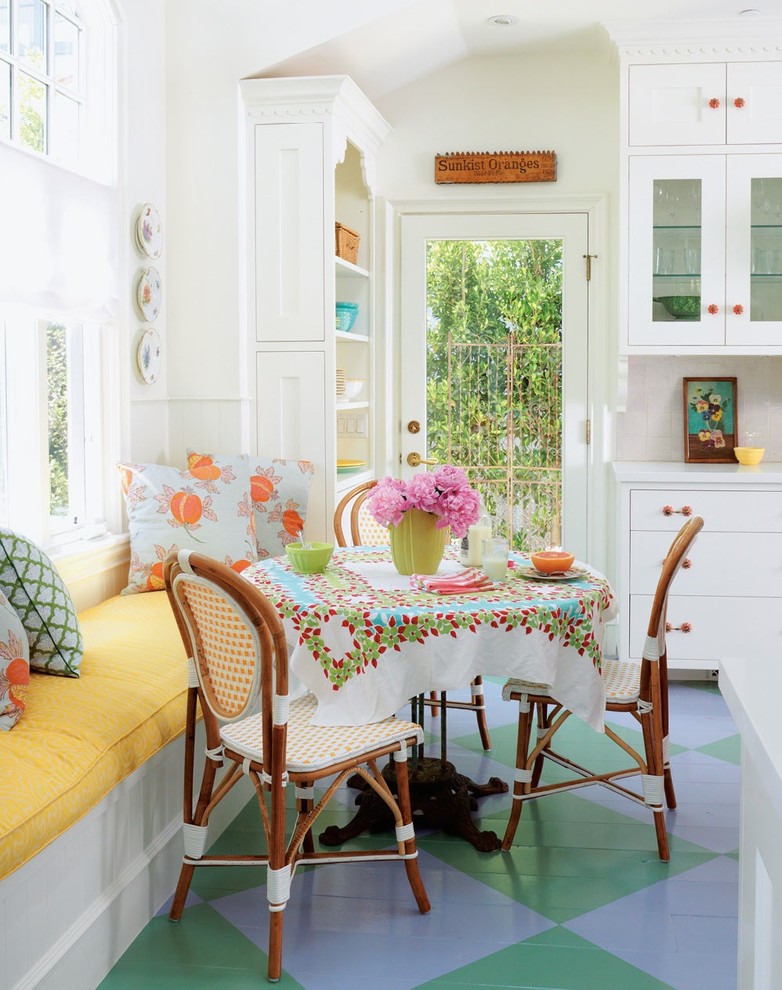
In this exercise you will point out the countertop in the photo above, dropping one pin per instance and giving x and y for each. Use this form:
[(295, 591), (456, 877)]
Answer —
[(752, 689), (675, 472)]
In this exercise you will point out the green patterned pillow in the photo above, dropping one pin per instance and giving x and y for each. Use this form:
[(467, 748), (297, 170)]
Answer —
[(35, 590)]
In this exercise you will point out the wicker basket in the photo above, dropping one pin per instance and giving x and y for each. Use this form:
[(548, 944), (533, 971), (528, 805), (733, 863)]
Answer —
[(346, 243)]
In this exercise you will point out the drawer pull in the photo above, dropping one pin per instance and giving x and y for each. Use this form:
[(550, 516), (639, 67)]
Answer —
[(739, 102), (668, 510), (714, 103), (685, 627)]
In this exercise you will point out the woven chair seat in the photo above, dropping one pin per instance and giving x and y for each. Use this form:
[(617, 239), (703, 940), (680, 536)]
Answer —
[(313, 747), (621, 680), (515, 686)]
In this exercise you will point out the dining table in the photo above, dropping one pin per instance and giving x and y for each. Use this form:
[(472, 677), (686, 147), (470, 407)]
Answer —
[(365, 639)]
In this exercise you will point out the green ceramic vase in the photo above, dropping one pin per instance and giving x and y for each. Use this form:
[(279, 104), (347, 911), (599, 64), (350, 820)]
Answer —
[(417, 546)]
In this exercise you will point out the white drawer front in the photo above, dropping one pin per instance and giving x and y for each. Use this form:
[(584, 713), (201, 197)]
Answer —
[(721, 628), (722, 511), (720, 564)]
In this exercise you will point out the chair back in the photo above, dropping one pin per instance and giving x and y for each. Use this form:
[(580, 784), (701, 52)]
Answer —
[(364, 530), (233, 637), (655, 648)]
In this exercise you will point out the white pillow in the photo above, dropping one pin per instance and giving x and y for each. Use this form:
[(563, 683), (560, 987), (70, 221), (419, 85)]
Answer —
[(279, 490), (14, 665), (207, 509)]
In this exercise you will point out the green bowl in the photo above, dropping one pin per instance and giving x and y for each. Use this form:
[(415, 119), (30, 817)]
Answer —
[(682, 307), (311, 559)]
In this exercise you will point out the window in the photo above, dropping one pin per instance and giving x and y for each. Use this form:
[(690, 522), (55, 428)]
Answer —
[(57, 432), (59, 203), (41, 86)]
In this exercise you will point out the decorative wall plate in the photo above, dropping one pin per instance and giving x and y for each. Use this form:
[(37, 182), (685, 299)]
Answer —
[(149, 356), (149, 294), (149, 232)]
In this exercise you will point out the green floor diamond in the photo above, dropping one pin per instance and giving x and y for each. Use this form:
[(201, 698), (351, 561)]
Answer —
[(556, 958), (728, 750)]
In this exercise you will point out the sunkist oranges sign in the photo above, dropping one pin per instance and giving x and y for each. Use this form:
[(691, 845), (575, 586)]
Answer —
[(495, 166)]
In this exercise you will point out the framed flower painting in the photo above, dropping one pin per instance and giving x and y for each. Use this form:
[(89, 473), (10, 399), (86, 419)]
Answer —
[(710, 420)]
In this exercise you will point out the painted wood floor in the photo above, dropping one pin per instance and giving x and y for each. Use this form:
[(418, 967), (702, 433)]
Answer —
[(581, 903)]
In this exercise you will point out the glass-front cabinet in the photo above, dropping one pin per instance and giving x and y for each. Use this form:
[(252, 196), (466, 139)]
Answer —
[(705, 252)]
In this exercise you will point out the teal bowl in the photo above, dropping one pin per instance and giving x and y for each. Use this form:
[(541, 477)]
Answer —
[(311, 559)]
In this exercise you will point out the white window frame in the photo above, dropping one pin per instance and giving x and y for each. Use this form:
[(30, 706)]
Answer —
[(93, 441), (96, 93)]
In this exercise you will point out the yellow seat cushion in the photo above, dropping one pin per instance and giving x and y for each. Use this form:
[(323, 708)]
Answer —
[(80, 737)]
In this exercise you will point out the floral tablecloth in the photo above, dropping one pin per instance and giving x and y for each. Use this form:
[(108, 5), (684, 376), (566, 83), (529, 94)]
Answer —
[(364, 642)]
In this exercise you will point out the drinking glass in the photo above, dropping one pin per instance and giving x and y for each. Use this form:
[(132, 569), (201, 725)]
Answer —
[(495, 558)]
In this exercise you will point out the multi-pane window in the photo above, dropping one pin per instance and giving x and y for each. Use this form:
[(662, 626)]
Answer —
[(41, 86)]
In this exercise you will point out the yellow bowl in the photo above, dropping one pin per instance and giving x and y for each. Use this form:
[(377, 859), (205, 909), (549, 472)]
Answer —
[(749, 455), (311, 559), (552, 561)]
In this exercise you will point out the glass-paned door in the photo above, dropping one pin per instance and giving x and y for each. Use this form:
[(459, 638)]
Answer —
[(494, 358)]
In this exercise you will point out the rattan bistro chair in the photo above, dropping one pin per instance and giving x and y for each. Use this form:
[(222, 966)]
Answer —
[(638, 688), (235, 640), (367, 532)]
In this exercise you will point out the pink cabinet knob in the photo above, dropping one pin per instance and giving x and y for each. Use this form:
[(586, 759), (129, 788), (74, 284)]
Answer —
[(686, 563), (713, 309), (738, 103), (686, 510), (714, 103), (738, 309), (685, 627)]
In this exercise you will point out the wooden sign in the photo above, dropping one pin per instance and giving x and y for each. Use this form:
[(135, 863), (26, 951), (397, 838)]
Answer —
[(496, 166)]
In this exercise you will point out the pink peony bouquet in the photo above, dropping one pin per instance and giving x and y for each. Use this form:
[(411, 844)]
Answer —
[(446, 493)]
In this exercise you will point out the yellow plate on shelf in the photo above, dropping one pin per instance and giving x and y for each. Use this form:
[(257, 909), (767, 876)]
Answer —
[(346, 466)]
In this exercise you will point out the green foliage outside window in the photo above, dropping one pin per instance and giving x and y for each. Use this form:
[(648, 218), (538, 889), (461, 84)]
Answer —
[(57, 378), (494, 365)]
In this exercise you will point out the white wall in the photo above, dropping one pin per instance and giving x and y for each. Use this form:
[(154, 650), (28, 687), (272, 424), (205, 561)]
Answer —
[(566, 103), (142, 177)]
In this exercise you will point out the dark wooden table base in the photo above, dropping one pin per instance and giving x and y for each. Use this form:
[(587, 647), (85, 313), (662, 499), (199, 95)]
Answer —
[(440, 796)]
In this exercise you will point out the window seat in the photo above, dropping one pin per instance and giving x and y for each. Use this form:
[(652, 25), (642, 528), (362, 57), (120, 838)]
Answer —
[(91, 800), (81, 736)]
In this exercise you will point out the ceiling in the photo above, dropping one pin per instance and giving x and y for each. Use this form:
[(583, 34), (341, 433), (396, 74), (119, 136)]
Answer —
[(413, 38)]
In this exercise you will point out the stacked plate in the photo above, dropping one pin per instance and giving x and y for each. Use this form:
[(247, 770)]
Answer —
[(340, 382)]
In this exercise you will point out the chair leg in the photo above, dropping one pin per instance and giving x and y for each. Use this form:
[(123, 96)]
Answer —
[(670, 793), (651, 725), (180, 894), (274, 970), (411, 865), (520, 788), (476, 689)]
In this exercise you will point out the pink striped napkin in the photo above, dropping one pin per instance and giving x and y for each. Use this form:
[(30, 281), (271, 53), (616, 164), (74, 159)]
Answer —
[(454, 584)]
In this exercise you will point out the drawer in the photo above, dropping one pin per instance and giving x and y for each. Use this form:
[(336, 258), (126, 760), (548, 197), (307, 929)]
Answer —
[(722, 511), (721, 628), (720, 564)]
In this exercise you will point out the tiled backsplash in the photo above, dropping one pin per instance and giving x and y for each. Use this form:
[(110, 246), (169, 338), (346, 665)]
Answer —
[(652, 427)]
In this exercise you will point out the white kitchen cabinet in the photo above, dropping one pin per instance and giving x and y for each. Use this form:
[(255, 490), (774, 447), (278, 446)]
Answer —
[(705, 253), (311, 145), (726, 601), (705, 103)]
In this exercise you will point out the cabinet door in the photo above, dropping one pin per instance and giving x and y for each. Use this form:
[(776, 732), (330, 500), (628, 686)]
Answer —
[(753, 299), (291, 409), (290, 252), (676, 104), (754, 103), (676, 258)]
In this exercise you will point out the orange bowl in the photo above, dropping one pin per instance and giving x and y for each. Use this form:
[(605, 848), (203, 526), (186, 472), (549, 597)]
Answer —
[(552, 561)]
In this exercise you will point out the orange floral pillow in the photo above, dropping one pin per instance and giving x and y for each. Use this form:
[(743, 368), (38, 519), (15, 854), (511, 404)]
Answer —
[(14, 665), (279, 490), (206, 507)]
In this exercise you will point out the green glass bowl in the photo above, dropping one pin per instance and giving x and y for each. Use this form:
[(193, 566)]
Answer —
[(311, 559), (682, 307)]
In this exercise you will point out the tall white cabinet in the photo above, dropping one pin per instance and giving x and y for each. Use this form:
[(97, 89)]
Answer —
[(701, 194), (310, 153)]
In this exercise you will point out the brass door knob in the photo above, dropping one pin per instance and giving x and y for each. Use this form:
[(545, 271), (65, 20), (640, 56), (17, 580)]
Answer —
[(415, 459), (413, 426)]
